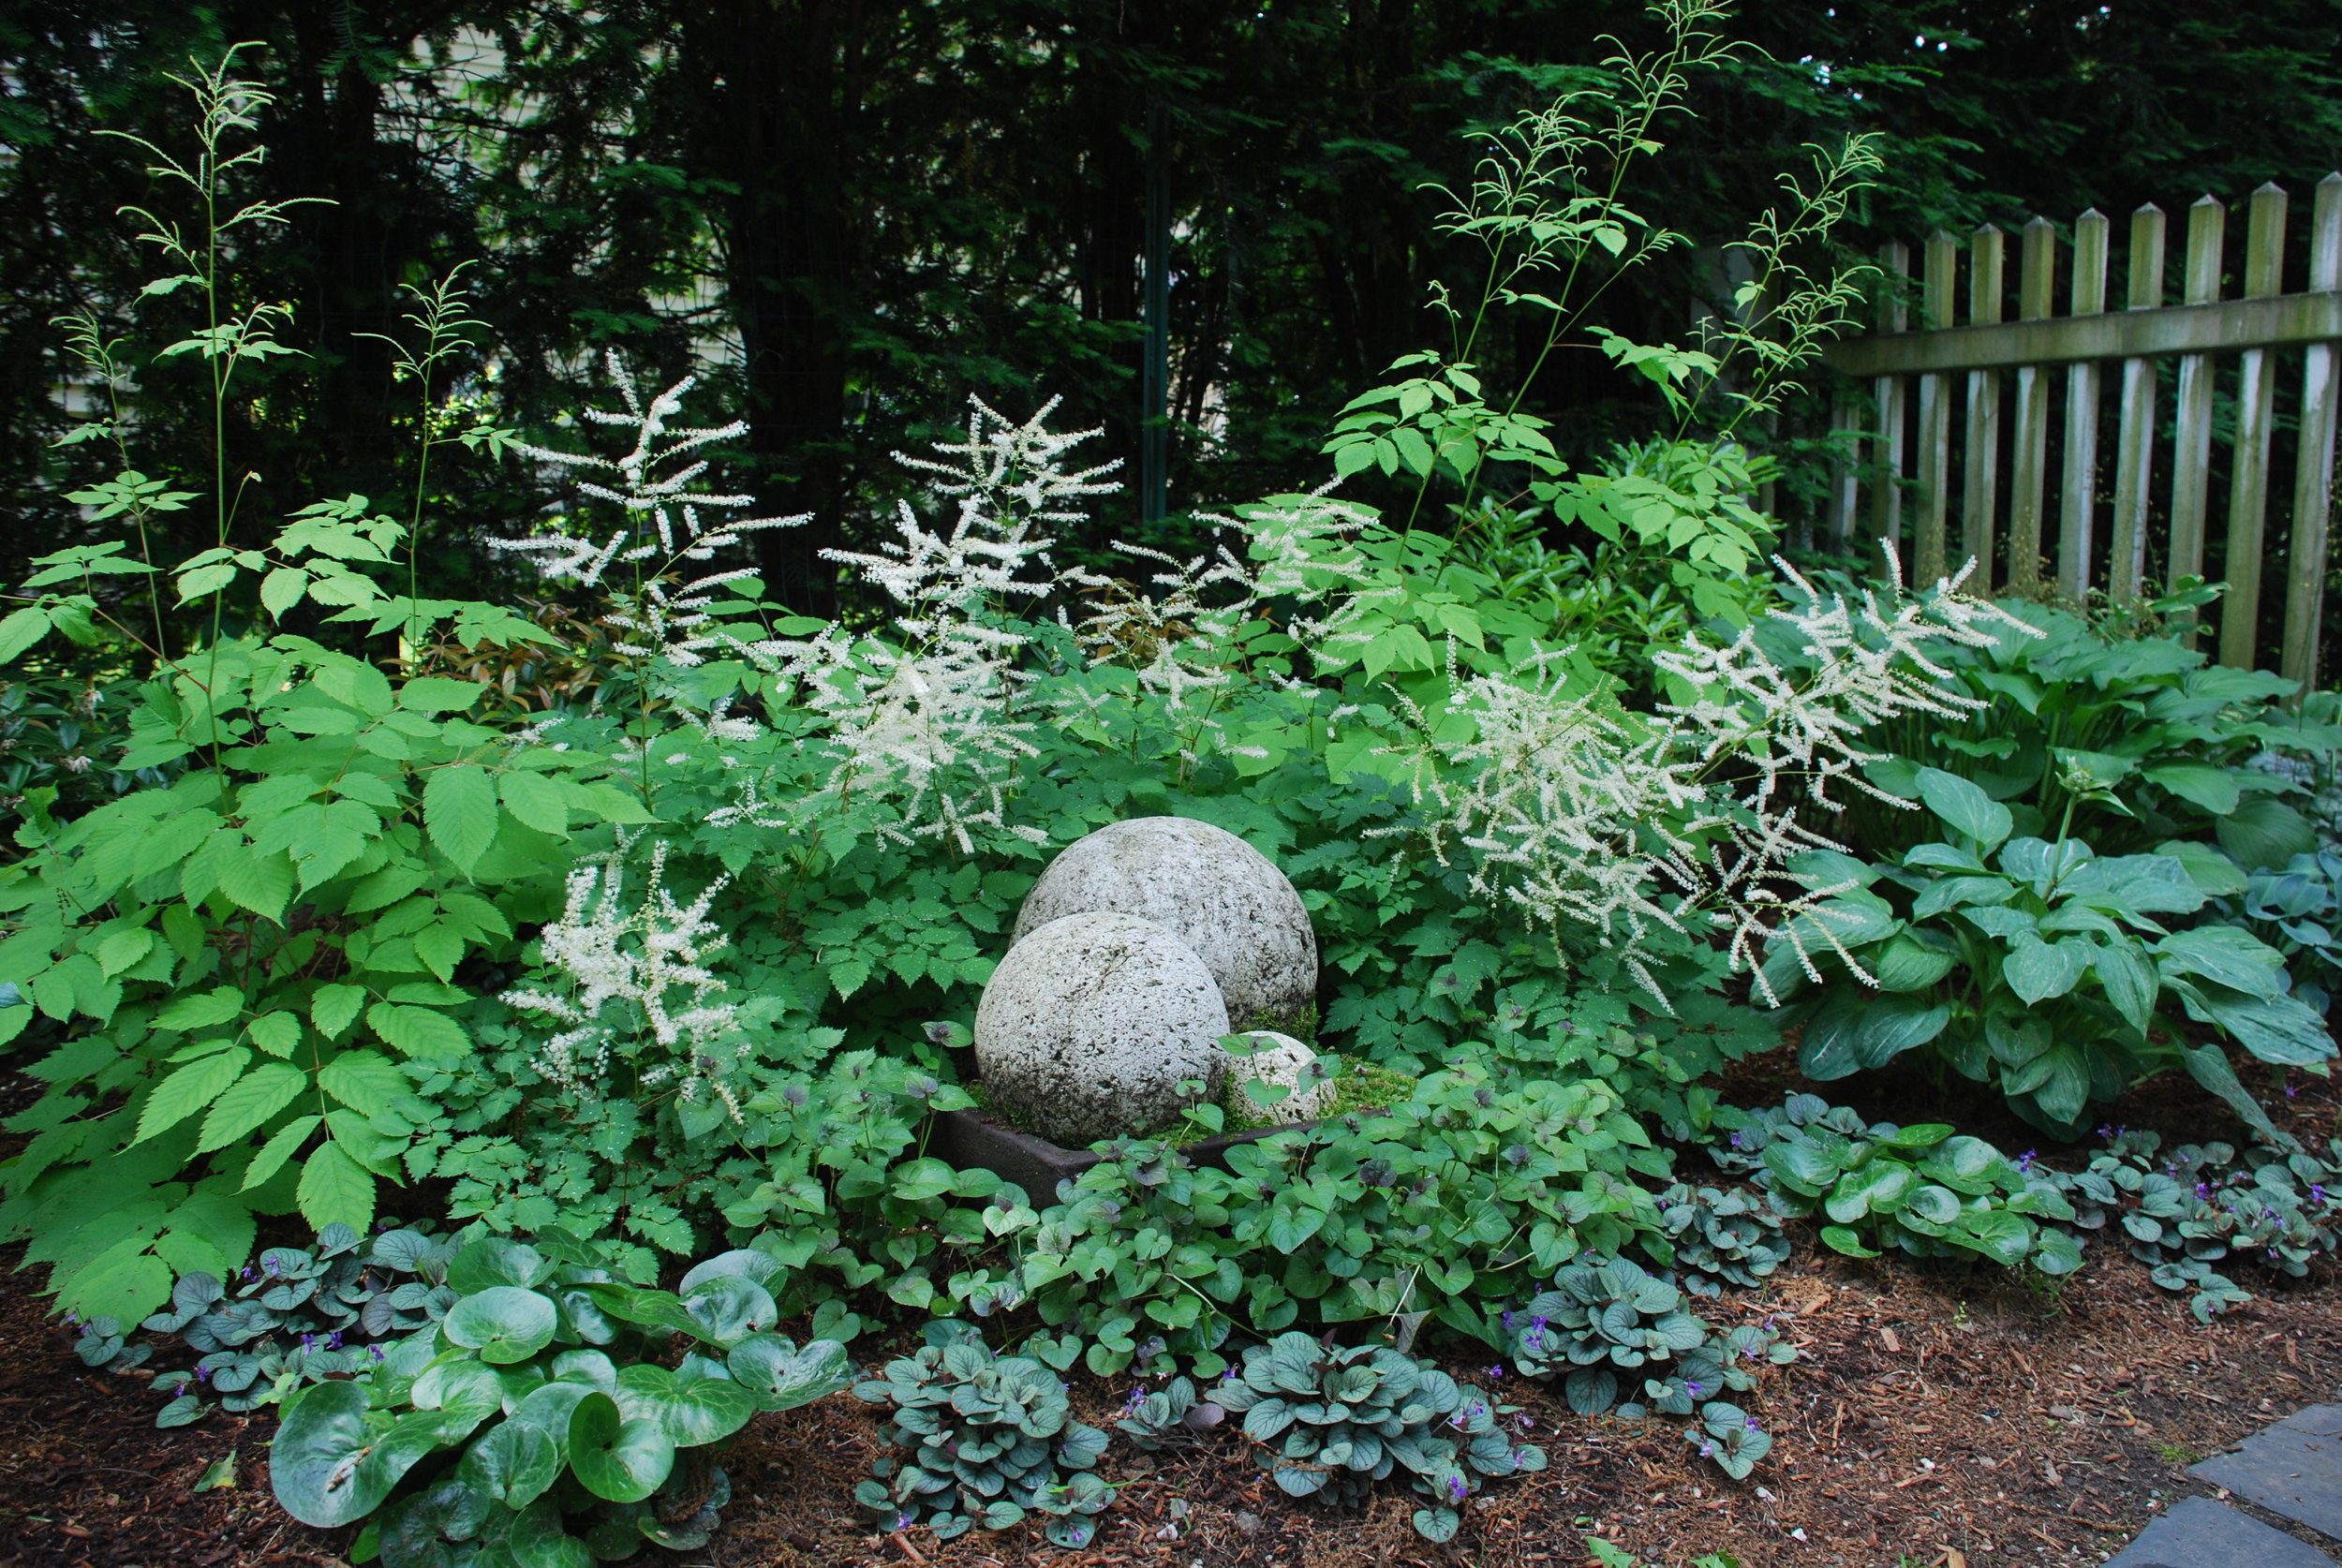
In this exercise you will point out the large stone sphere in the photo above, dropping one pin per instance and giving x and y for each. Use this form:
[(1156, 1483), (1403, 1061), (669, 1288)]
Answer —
[(1214, 892), (1090, 1024)]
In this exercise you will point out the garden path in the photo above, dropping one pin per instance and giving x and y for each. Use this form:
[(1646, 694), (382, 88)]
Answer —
[(2292, 1468)]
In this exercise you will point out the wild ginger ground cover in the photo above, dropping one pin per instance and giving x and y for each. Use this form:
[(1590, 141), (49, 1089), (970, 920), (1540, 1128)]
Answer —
[(1946, 1416)]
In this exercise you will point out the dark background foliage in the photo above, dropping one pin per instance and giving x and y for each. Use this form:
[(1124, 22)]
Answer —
[(863, 213)]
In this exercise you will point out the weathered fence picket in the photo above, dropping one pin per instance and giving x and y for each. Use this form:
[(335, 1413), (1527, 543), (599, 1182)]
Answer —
[(2004, 522)]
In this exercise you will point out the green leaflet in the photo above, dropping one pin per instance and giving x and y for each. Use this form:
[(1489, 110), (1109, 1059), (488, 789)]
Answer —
[(189, 1089), (460, 810)]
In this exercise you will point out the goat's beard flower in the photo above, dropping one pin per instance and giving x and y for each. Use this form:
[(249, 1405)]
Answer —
[(651, 963), (1583, 814)]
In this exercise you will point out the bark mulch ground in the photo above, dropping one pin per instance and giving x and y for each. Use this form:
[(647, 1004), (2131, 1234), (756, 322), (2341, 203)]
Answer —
[(1939, 1417)]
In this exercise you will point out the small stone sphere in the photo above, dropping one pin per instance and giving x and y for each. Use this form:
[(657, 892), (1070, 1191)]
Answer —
[(1280, 1059), (1092, 1023), (1213, 891)]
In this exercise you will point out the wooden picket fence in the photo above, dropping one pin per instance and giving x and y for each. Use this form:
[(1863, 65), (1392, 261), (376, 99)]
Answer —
[(2003, 516)]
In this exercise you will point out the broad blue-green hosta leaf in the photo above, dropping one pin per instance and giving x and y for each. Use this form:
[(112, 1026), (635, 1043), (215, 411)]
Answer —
[(2204, 784), (1954, 892), (2226, 956), (2130, 980), (2265, 832), (2038, 971), (2040, 863), (2278, 1029), (1964, 807), (2058, 1080), (1906, 963)]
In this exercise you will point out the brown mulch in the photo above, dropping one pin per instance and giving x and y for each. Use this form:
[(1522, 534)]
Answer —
[(1943, 1416)]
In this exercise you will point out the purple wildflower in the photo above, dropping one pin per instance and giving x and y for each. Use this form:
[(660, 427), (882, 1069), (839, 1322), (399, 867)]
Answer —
[(1497, 1370)]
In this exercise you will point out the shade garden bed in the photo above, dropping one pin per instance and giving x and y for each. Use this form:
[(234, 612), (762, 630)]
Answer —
[(1934, 1409)]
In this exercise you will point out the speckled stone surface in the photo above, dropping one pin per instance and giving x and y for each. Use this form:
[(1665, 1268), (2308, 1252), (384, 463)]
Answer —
[(1092, 1023), (1279, 1059), (1217, 893)]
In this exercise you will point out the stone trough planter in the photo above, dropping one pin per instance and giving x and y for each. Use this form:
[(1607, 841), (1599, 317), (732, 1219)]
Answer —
[(976, 1140)]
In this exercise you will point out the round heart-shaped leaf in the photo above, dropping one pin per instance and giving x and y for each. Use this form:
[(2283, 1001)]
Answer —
[(549, 1410), (730, 1307), (589, 1366), (538, 1540), (495, 1260), (746, 1262), (621, 1459), (513, 1464), (701, 1411), (504, 1324), (782, 1377), (317, 1464)]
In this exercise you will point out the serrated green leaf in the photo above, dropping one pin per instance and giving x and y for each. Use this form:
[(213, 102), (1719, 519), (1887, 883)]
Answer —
[(459, 808), (534, 800), (418, 1031), (282, 1144), (248, 1102), (259, 883), (188, 1090), (281, 590), (365, 1081), (334, 1007), (335, 1187), (276, 1033)]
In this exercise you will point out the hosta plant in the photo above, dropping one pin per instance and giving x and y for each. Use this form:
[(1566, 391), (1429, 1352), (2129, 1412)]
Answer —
[(2037, 965), (1338, 1420), (1922, 1189), (988, 1436), (538, 1423)]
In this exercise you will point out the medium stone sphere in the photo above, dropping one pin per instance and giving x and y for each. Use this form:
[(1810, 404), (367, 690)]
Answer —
[(1213, 891), (1092, 1023), (1279, 1060)]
